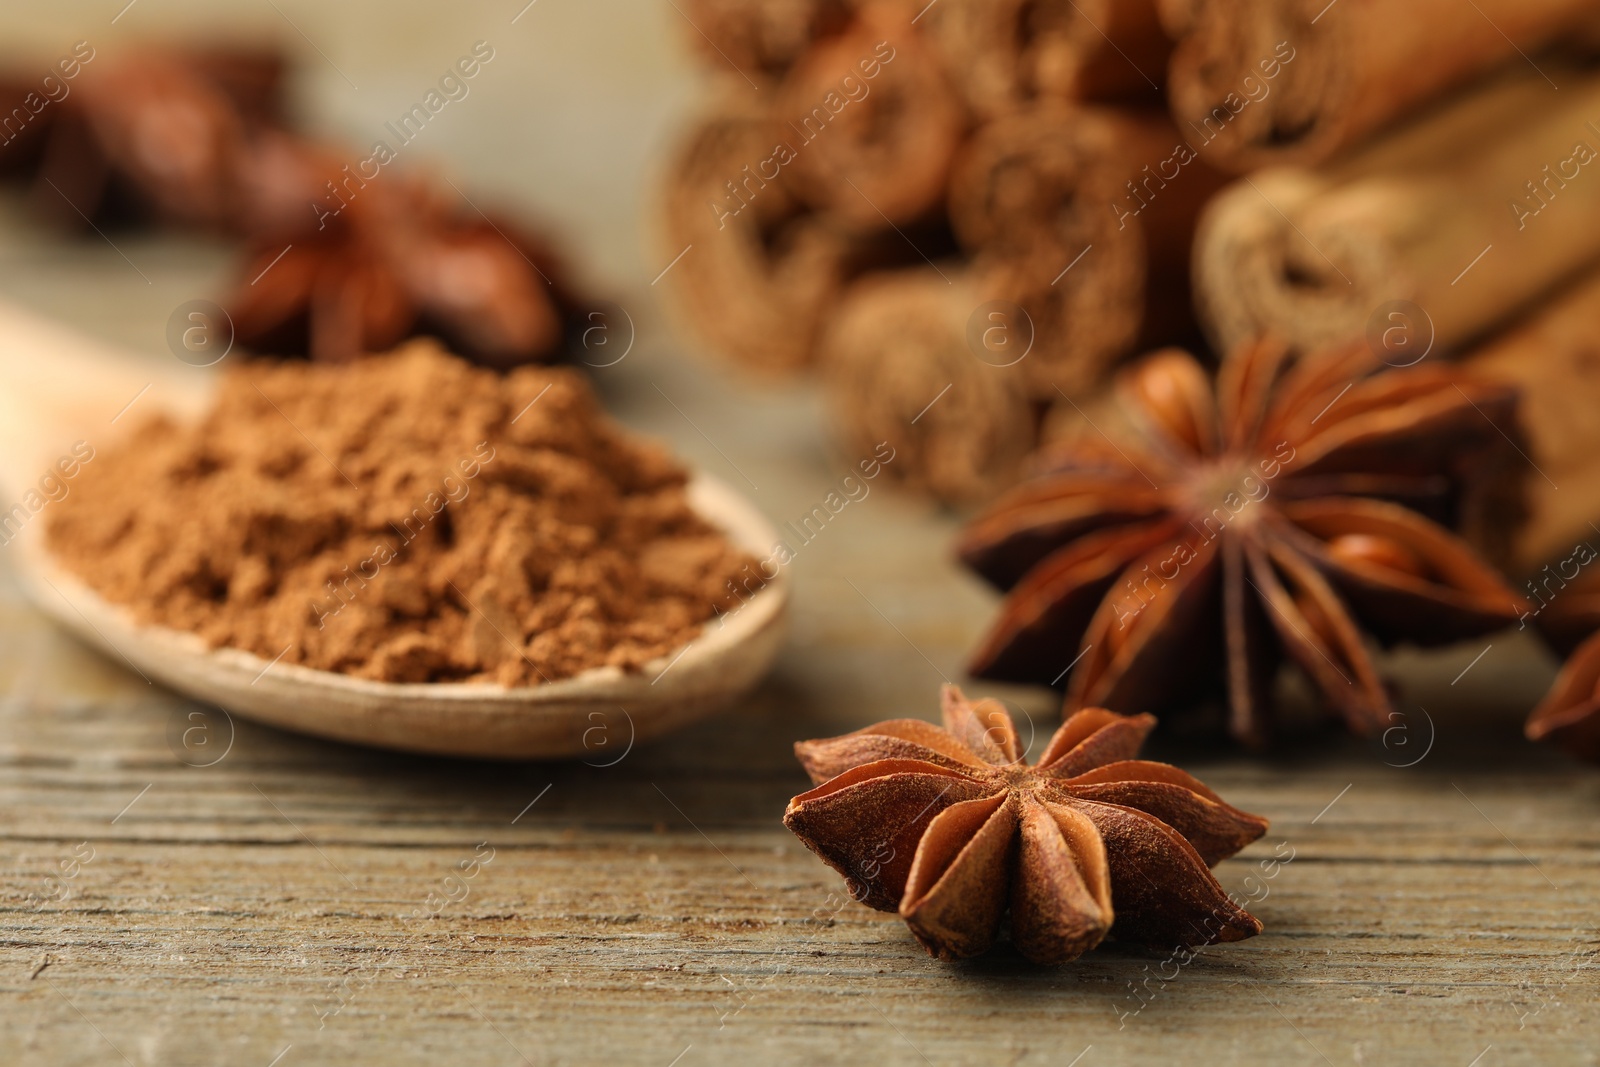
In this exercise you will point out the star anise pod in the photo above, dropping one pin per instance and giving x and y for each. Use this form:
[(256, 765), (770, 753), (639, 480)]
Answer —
[(386, 259), (1569, 715), (155, 134), (345, 257), (1564, 599), (952, 828), (1231, 529)]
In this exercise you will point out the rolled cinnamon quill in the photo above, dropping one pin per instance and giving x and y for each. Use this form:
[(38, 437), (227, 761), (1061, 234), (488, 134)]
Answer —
[(760, 37), (1552, 358), (1468, 214), (1296, 81), (1084, 217), (1004, 53), (755, 272), (873, 123), (901, 367)]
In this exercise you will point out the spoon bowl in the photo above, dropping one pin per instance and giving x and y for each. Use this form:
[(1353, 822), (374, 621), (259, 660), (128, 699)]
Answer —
[(57, 388)]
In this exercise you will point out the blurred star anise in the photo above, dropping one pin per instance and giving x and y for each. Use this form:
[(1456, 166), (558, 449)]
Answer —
[(1569, 715), (1568, 617), (344, 255), (387, 259), (952, 828), (1230, 529), (151, 134)]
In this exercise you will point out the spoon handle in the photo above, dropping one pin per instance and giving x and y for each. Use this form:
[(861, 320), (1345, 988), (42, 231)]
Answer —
[(59, 387)]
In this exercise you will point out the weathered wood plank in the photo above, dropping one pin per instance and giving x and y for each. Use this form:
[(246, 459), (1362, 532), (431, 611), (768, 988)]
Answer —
[(264, 909), (639, 909)]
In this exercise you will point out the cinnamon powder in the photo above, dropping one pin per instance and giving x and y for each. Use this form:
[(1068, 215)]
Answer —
[(407, 518)]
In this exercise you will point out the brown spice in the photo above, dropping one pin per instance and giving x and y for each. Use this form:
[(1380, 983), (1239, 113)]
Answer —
[(1218, 530), (336, 265), (952, 828), (408, 519)]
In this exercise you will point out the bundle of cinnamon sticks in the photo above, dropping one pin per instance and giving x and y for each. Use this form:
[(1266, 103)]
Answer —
[(1468, 229), (996, 201), (957, 214)]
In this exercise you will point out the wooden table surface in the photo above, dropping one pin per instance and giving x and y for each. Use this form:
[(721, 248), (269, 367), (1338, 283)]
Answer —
[(232, 894)]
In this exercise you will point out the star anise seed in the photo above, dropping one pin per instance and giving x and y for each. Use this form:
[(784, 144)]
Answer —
[(953, 829)]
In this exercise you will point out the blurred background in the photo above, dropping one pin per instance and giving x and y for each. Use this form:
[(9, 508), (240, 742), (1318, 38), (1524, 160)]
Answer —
[(567, 123)]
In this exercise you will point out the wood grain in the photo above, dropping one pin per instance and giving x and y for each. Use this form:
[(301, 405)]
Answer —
[(261, 910), (639, 910)]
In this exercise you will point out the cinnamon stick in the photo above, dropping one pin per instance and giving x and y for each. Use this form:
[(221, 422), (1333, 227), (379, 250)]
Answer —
[(1084, 217), (1469, 213), (1552, 358), (1292, 81), (755, 271), (899, 369), (760, 37), (1005, 53), (873, 123)]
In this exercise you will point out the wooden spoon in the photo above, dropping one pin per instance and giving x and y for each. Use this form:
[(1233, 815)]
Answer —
[(58, 387)]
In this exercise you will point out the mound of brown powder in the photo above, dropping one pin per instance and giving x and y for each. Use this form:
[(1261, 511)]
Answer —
[(409, 518)]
